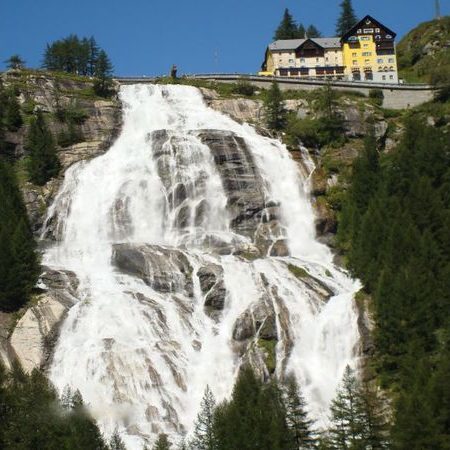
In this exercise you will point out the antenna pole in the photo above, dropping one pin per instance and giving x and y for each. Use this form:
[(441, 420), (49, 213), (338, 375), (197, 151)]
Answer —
[(438, 9)]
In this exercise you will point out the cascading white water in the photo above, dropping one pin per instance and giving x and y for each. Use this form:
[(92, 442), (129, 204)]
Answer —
[(142, 357)]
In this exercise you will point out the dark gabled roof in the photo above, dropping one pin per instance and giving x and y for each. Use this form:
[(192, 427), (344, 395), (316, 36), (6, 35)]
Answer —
[(361, 23), (294, 44)]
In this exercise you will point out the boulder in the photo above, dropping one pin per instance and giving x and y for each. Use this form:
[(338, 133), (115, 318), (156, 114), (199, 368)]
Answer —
[(213, 287), (164, 269), (239, 109), (32, 336)]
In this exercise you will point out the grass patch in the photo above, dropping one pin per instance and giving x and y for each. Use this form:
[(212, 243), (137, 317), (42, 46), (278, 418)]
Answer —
[(268, 346), (298, 272)]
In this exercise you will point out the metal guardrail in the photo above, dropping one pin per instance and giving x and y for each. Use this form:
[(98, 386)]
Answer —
[(286, 80)]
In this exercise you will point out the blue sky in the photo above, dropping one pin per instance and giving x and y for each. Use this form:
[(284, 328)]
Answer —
[(148, 36)]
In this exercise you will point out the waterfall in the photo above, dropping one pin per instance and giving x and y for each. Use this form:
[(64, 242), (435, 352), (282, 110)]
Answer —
[(192, 238)]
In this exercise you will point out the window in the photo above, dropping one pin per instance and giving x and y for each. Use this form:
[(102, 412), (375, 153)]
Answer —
[(383, 77), (359, 31), (380, 60), (391, 77), (355, 63), (317, 59), (388, 36), (368, 30), (367, 61), (352, 38), (291, 61), (365, 38), (367, 54), (377, 37), (326, 59), (302, 60), (377, 30), (390, 60), (354, 55)]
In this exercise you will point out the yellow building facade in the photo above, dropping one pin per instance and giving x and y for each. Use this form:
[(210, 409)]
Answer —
[(364, 53), (369, 52)]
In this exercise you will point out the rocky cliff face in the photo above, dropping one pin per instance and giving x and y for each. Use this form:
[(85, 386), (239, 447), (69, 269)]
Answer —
[(99, 125)]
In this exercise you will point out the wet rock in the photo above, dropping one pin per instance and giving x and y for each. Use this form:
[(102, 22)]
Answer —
[(240, 178), (258, 320), (213, 287), (164, 269), (280, 248), (53, 279)]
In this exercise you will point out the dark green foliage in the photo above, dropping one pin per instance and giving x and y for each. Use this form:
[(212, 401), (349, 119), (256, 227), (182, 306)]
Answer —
[(162, 443), (71, 135), (204, 433), (116, 442), (15, 62), (103, 74), (72, 55), (13, 118), (327, 129), (315, 132), (276, 115), (297, 421), (255, 417), (395, 227), (244, 87), (19, 266), (33, 418), (301, 31), (313, 32), (43, 163), (357, 416), (287, 28), (347, 19), (377, 96)]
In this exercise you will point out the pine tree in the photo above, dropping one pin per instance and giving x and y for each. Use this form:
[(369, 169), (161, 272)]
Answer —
[(374, 419), (162, 443), (347, 19), (15, 62), (254, 418), (93, 56), (19, 266), (103, 73), (301, 31), (347, 430), (276, 115), (313, 32), (116, 442), (43, 160), (204, 437), (298, 423), (13, 117), (287, 28)]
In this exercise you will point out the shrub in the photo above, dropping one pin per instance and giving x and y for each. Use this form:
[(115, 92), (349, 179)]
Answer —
[(244, 87), (377, 96)]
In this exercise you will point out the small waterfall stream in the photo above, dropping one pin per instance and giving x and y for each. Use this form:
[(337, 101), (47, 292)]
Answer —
[(188, 230)]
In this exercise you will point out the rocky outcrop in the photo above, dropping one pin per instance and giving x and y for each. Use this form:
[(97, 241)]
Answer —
[(164, 269), (240, 109), (35, 333), (213, 288), (99, 124), (241, 180)]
